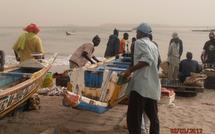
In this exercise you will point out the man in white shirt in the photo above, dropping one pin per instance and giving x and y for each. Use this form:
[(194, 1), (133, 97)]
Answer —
[(144, 86), (174, 53)]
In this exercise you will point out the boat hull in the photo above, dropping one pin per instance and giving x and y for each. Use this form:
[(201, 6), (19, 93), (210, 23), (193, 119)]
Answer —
[(13, 96), (20, 93)]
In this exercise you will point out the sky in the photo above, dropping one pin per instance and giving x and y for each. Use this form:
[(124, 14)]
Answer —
[(98, 12)]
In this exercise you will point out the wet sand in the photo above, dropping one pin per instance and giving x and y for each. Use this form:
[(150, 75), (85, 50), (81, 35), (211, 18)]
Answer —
[(189, 113)]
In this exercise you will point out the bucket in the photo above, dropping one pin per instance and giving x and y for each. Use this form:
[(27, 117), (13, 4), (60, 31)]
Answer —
[(48, 81)]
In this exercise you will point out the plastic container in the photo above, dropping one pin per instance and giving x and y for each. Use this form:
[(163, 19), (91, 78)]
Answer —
[(48, 81), (93, 78)]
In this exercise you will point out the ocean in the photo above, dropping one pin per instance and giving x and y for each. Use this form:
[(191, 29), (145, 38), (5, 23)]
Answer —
[(55, 39)]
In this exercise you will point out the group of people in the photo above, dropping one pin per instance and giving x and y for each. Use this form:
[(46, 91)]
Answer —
[(181, 69), (116, 46), (144, 88), (84, 53)]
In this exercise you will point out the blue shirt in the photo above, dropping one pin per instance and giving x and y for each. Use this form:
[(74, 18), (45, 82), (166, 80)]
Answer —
[(187, 66)]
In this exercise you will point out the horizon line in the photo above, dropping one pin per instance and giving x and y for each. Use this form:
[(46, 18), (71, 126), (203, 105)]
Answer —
[(110, 24)]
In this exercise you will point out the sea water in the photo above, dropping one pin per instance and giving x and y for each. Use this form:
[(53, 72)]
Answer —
[(55, 39)]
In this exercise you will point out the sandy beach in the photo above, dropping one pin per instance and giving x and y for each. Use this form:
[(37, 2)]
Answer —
[(194, 113)]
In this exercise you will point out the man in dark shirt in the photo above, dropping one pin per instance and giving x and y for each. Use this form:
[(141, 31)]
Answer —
[(112, 45), (208, 55), (187, 66)]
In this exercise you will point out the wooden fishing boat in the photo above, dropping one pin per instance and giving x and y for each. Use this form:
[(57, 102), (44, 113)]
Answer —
[(97, 88), (19, 83)]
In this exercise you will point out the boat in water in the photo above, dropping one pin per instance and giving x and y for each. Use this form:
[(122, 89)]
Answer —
[(19, 83)]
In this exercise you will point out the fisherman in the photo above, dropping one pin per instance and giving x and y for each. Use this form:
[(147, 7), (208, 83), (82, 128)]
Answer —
[(187, 66), (174, 54), (84, 54), (208, 55), (112, 45), (28, 43), (144, 86), (124, 43)]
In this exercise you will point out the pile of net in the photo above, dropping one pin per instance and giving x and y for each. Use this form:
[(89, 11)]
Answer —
[(196, 79)]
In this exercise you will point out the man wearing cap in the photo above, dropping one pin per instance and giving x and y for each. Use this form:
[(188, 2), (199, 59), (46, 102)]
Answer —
[(144, 86), (174, 54), (208, 55), (113, 45), (28, 43), (84, 54)]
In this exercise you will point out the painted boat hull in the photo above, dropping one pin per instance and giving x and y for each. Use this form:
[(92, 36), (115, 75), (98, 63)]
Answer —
[(84, 103), (14, 96)]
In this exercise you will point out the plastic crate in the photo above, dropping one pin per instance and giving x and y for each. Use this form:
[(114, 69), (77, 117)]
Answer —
[(93, 78)]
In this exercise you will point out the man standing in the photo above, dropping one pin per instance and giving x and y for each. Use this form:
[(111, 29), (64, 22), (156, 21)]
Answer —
[(124, 43), (187, 66), (28, 43), (174, 54), (84, 54), (208, 55), (144, 86), (112, 45)]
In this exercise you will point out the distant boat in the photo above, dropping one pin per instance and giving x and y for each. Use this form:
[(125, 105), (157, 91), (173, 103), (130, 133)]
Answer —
[(70, 33), (203, 30), (125, 30)]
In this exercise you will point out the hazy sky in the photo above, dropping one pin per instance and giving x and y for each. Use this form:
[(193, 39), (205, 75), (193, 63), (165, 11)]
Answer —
[(96, 12)]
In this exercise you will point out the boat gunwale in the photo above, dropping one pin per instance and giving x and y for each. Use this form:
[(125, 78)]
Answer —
[(35, 76)]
